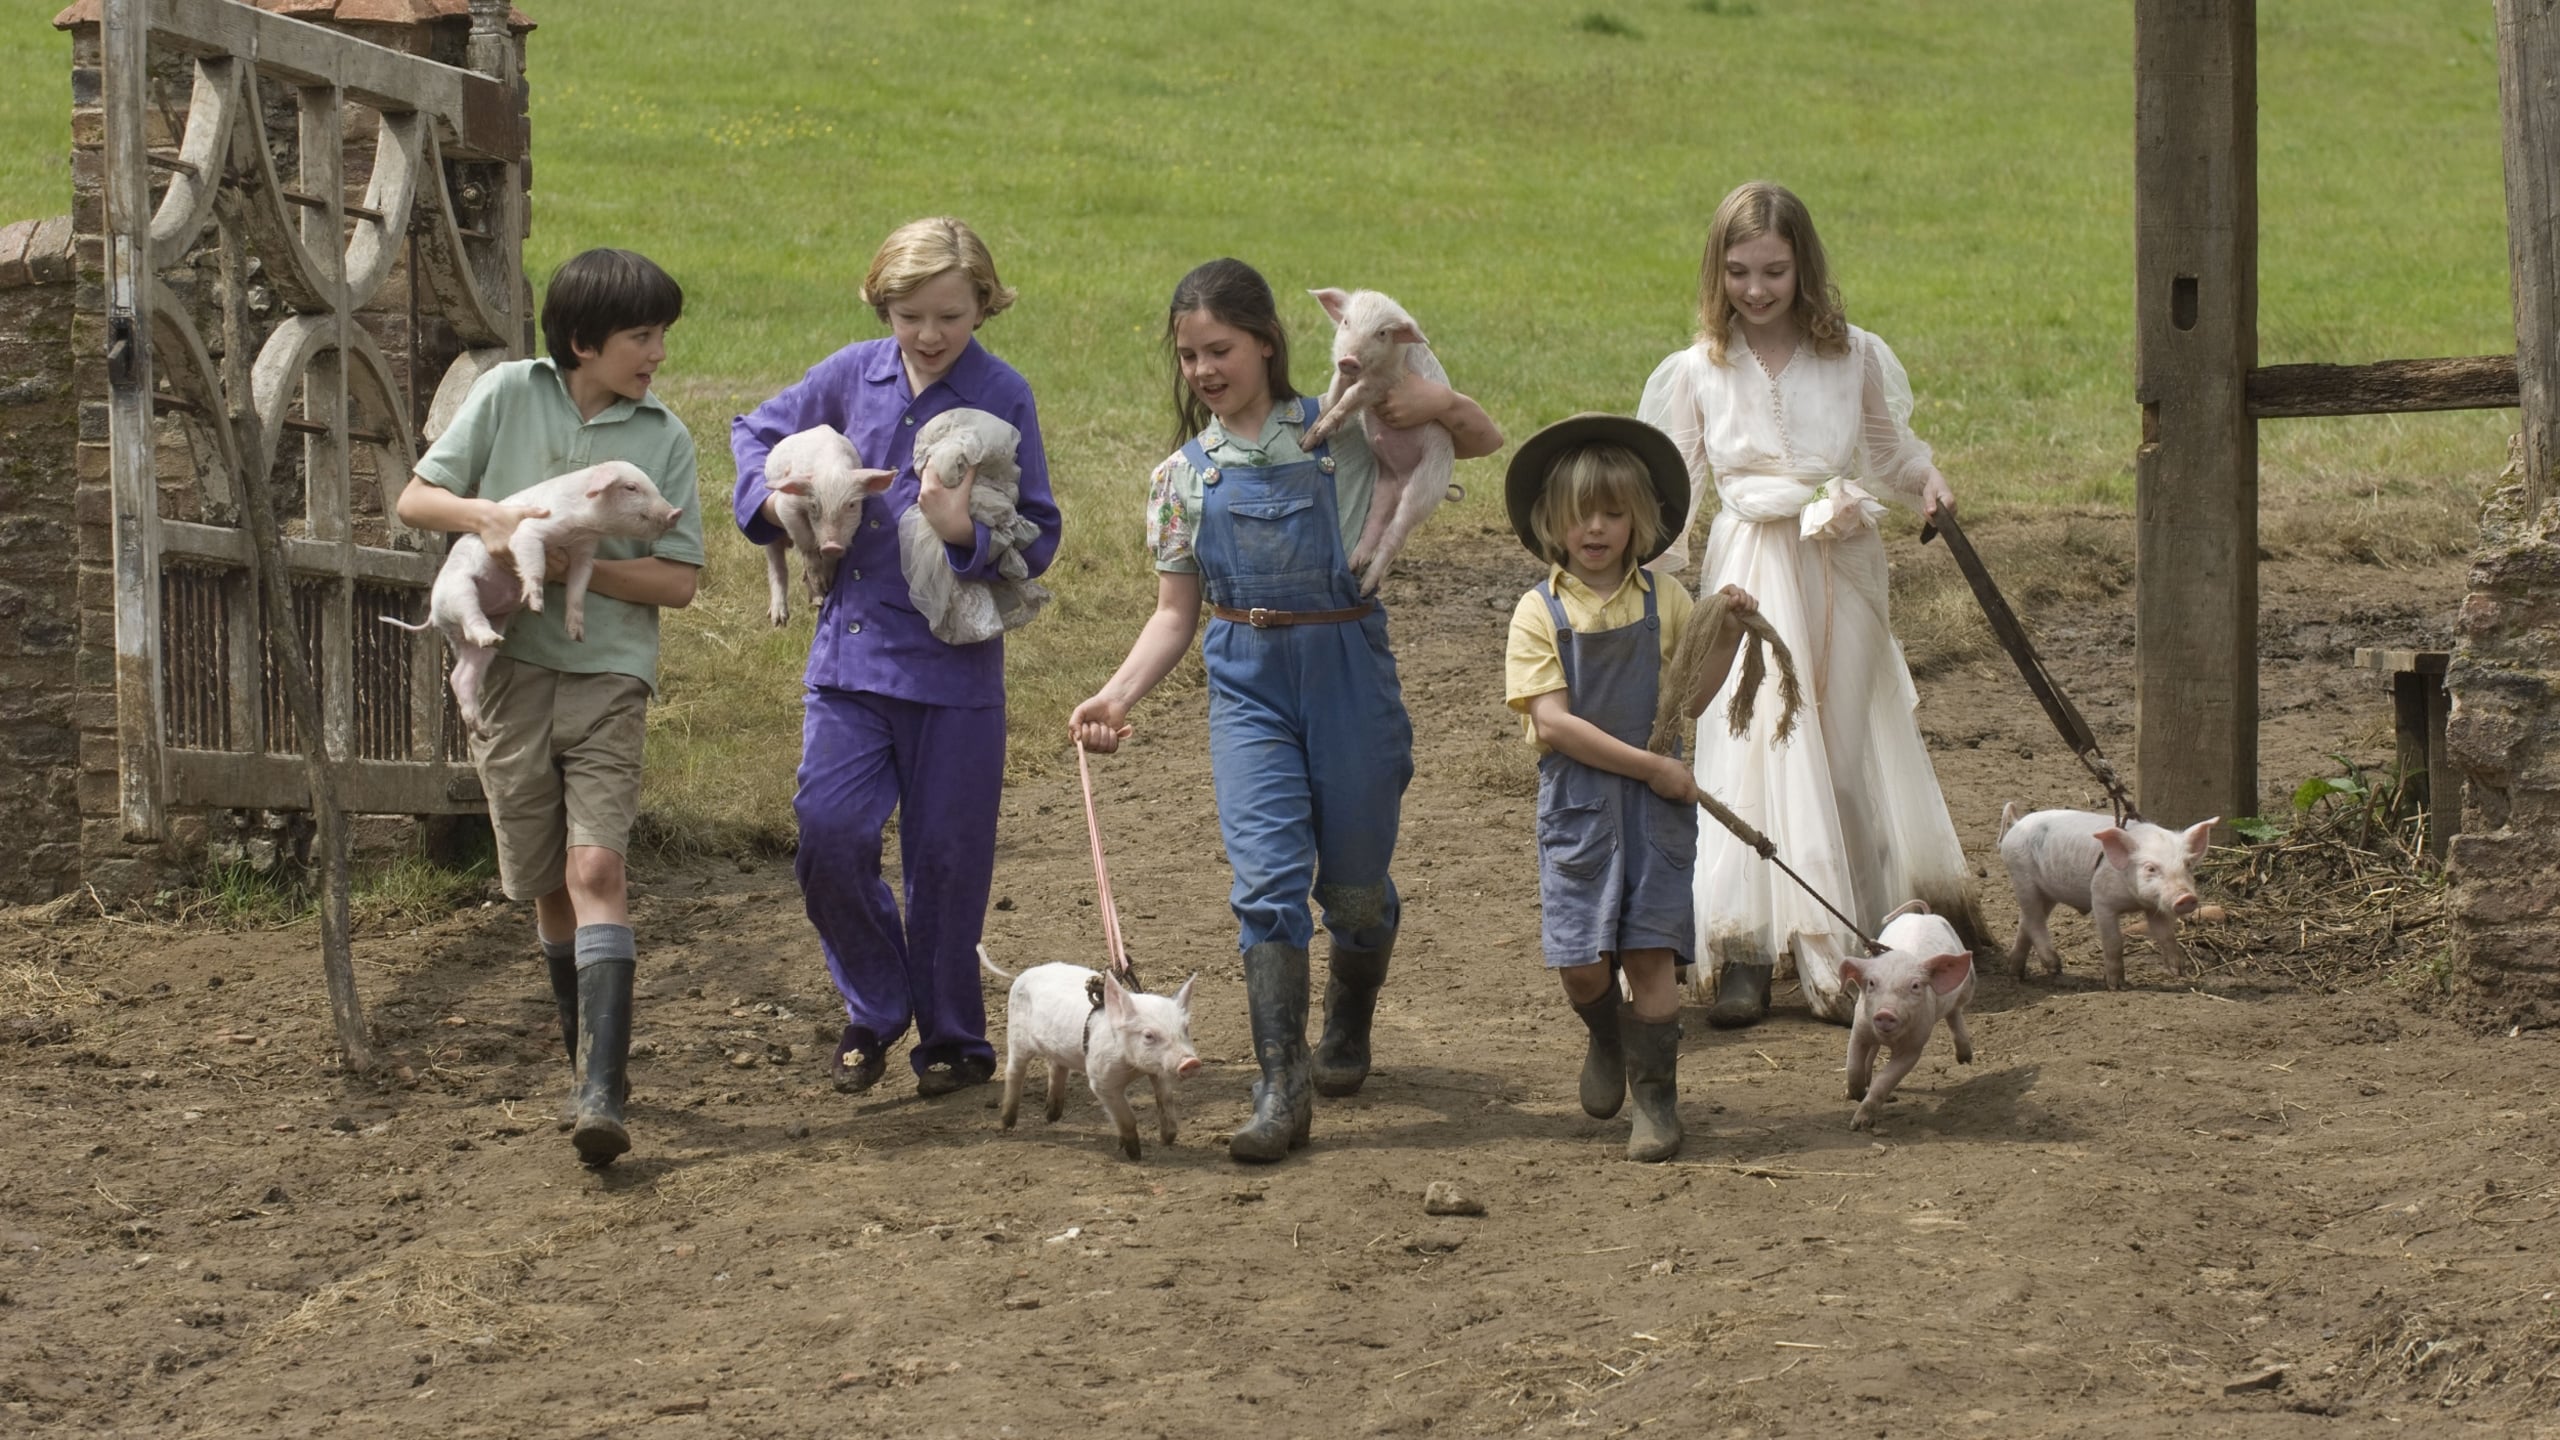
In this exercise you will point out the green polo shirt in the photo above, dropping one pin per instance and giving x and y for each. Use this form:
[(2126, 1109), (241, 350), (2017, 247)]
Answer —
[(519, 428)]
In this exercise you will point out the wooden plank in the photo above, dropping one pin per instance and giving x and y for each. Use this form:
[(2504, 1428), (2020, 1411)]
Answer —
[(2196, 474), (2420, 662), (2444, 778), (223, 780), (228, 546), (2529, 112), (133, 495), (482, 111), (2385, 387)]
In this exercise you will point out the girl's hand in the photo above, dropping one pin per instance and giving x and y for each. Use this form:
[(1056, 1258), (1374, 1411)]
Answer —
[(497, 524), (1672, 781), (946, 508), (1099, 724), (1935, 498), (1414, 401), (1741, 599)]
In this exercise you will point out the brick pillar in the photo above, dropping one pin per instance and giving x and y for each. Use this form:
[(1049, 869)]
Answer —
[(2505, 734), (39, 613)]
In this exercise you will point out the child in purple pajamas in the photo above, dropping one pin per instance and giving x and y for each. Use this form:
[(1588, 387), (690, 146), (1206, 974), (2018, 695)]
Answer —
[(896, 719)]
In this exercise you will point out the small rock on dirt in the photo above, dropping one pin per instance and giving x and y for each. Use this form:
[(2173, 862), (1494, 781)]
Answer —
[(1022, 1302), (1443, 1197), (743, 1060), (2268, 1379), (1436, 1242)]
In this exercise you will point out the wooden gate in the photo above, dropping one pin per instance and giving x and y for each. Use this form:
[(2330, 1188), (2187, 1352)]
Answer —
[(278, 197)]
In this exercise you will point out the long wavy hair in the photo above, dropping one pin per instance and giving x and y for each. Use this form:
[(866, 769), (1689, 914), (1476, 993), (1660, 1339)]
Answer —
[(1233, 293), (1757, 208)]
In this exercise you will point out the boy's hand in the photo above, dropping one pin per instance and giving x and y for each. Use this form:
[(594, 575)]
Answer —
[(498, 522), (1099, 724), (1740, 599), (946, 508), (1671, 780)]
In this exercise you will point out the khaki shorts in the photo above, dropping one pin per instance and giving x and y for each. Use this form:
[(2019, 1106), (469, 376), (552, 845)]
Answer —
[(561, 767)]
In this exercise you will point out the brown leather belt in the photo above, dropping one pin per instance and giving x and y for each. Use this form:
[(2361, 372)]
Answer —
[(1261, 619)]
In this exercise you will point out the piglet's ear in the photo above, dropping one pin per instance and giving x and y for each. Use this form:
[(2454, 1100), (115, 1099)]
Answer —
[(875, 481), (2118, 847), (788, 485), (599, 480), (1853, 974), (1332, 301), (1947, 972), (1182, 997), (1115, 1001), (1406, 332), (2199, 836)]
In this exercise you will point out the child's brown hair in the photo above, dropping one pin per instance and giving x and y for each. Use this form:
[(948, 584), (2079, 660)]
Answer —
[(919, 250), (1757, 208)]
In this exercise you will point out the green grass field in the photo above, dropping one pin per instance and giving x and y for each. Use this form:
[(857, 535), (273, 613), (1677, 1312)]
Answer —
[(1532, 180)]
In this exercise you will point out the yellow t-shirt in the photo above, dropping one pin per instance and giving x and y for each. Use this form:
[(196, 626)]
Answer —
[(1530, 663)]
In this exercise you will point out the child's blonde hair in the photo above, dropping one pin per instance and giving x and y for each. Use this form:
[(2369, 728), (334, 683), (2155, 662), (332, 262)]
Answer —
[(1757, 208), (1592, 478), (918, 251)]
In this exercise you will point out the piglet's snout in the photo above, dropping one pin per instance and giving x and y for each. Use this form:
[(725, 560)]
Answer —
[(2185, 903), (1190, 1066), (1349, 365), (831, 548), (1886, 1020)]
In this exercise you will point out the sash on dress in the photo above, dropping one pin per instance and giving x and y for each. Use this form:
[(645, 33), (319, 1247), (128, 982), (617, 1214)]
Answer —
[(1834, 507)]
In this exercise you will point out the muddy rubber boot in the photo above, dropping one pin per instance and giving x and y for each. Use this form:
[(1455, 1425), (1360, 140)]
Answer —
[(1275, 993), (1742, 996), (604, 1050), (1350, 1002), (1653, 1078), (1604, 1064), (560, 957)]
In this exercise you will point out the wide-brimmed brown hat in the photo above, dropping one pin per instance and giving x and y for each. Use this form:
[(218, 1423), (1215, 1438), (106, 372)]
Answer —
[(1527, 478)]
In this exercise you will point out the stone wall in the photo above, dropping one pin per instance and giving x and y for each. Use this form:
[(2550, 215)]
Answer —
[(2505, 734), (39, 568)]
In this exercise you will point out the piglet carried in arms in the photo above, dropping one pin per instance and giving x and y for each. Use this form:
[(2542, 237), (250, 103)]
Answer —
[(818, 483), (1375, 345), (474, 595), (971, 445)]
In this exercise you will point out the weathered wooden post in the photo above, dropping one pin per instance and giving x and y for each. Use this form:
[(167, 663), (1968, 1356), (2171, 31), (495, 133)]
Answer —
[(2529, 108), (2196, 474)]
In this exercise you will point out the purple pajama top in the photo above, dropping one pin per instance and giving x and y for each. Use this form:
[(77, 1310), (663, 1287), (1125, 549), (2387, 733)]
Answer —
[(870, 637)]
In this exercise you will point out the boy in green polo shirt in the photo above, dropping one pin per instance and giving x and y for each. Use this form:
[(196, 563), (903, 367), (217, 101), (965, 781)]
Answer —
[(561, 766)]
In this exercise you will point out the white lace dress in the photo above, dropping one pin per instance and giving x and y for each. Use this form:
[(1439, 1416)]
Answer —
[(1797, 461)]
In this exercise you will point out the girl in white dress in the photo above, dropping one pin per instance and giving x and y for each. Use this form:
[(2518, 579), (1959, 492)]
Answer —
[(1799, 420)]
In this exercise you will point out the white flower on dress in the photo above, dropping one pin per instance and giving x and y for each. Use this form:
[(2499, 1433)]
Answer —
[(1839, 509)]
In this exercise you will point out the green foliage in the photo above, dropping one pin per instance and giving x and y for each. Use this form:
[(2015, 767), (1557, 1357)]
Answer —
[(1601, 22)]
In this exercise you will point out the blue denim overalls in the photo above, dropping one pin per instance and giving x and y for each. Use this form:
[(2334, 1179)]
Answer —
[(1308, 739), (1614, 859)]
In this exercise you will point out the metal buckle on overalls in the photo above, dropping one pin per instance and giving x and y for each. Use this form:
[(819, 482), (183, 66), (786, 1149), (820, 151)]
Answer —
[(1325, 464), (1209, 476), (1258, 618)]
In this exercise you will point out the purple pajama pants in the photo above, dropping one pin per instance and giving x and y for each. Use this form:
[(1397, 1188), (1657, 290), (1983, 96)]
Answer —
[(942, 769)]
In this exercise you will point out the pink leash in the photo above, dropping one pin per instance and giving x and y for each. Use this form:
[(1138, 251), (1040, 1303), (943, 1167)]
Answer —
[(1101, 870)]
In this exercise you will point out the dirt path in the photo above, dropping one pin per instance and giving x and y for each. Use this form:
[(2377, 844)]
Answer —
[(2239, 1204)]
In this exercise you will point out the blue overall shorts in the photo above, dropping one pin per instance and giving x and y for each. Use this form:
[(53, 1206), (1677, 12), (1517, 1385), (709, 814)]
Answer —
[(1308, 739), (1614, 859)]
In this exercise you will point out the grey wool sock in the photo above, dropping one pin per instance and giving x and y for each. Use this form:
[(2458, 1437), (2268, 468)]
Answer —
[(557, 950), (599, 944)]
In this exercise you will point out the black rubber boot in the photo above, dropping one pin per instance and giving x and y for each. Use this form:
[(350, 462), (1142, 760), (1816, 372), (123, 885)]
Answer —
[(1604, 1065), (564, 992), (1653, 1078), (1350, 1002), (1742, 996), (1275, 992), (604, 1050)]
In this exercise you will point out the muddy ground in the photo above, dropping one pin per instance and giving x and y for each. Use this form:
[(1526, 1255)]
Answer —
[(2283, 1200)]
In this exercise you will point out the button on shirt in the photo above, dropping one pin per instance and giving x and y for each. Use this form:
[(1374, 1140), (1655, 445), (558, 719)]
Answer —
[(518, 428), (870, 637)]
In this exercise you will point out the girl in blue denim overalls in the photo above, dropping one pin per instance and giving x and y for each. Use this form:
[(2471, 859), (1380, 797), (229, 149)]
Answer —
[(1308, 740), (1596, 496)]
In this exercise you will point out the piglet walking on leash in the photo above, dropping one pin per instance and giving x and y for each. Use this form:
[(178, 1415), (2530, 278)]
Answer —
[(1375, 345), (474, 596)]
